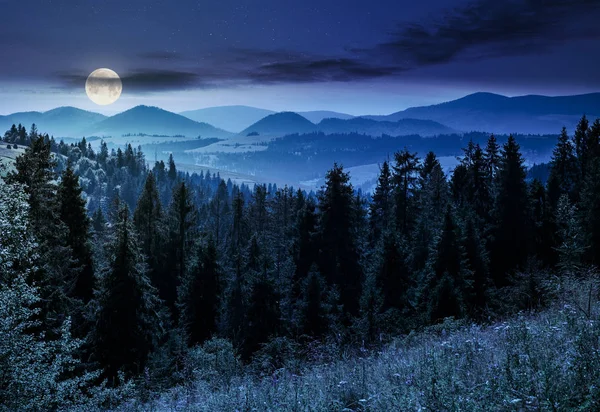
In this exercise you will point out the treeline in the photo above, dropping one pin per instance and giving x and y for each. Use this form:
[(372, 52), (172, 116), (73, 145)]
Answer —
[(172, 261), (306, 156)]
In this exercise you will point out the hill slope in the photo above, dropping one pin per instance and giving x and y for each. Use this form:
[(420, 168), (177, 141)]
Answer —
[(318, 115), (280, 124), (153, 120)]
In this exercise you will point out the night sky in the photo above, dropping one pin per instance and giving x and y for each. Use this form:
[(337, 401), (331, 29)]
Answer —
[(355, 56)]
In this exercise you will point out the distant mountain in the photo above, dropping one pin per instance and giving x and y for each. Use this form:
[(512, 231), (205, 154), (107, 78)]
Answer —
[(60, 122), (153, 120), (280, 124), (500, 114), (286, 123), (318, 115), (403, 127), (231, 118)]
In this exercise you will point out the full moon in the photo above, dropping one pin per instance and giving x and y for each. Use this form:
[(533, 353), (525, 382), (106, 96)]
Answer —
[(103, 86)]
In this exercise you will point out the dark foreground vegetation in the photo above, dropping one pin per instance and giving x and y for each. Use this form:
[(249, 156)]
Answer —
[(125, 286)]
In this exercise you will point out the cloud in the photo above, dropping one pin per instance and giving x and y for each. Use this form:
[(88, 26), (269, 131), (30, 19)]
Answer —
[(489, 28), (142, 80), (319, 70)]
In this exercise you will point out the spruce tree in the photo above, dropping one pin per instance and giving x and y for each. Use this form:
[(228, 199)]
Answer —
[(150, 225), (183, 220), (393, 276), (339, 256), (406, 168), (313, 304), (512, 223), (74, 214), (172, 173), (381, 208), (263, 316), (200, 296), (582, 152), (448, 278), (128, 324), (55, 275), (590, 213), (477, 295), (563, 169)]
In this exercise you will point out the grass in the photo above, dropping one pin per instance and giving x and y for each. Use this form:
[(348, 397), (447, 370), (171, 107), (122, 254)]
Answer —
[(544, 361)]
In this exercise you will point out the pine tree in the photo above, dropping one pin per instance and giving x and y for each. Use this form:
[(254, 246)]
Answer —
[(406, 168), (381, 208), (313, 304), (582, 152), (449, 280), (512, 223), (393, 276), (150, 225), (172, 173), (590, 213), (433, 198), (183, 220), (55, 275), (129, 324), (339, 257), (492, 159), (263, 314), (543, 224), (570, 242), (200, 296), (74, 214), (477, 262), (563, 170), (305, 246)]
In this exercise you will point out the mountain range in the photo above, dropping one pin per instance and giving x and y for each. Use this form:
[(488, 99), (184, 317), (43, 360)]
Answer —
[(237, 118), (500, 114), (62, 121), (154, 120), (484, 112)]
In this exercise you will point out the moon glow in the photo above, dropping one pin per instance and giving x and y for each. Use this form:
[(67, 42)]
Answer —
[(103, 86)]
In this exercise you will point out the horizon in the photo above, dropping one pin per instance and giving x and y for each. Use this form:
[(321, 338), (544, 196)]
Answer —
[(113, 111)]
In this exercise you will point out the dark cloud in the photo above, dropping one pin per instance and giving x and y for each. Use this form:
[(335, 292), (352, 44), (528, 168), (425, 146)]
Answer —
[(490, 28), (143, 80), (319, 70)]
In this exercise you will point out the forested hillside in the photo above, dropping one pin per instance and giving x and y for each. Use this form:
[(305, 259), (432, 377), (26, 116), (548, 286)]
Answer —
[(121, 280)]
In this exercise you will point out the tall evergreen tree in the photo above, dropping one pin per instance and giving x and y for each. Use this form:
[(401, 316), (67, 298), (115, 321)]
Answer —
[(74, 215), (313, 304), (55, 275), (128, 324), (339, 257), (406, 168), (590, 213), (563, 170), (183, 218), (172, 173), (449, 278), (381, 208), (200, 295), (150, 225), (512, 223)]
